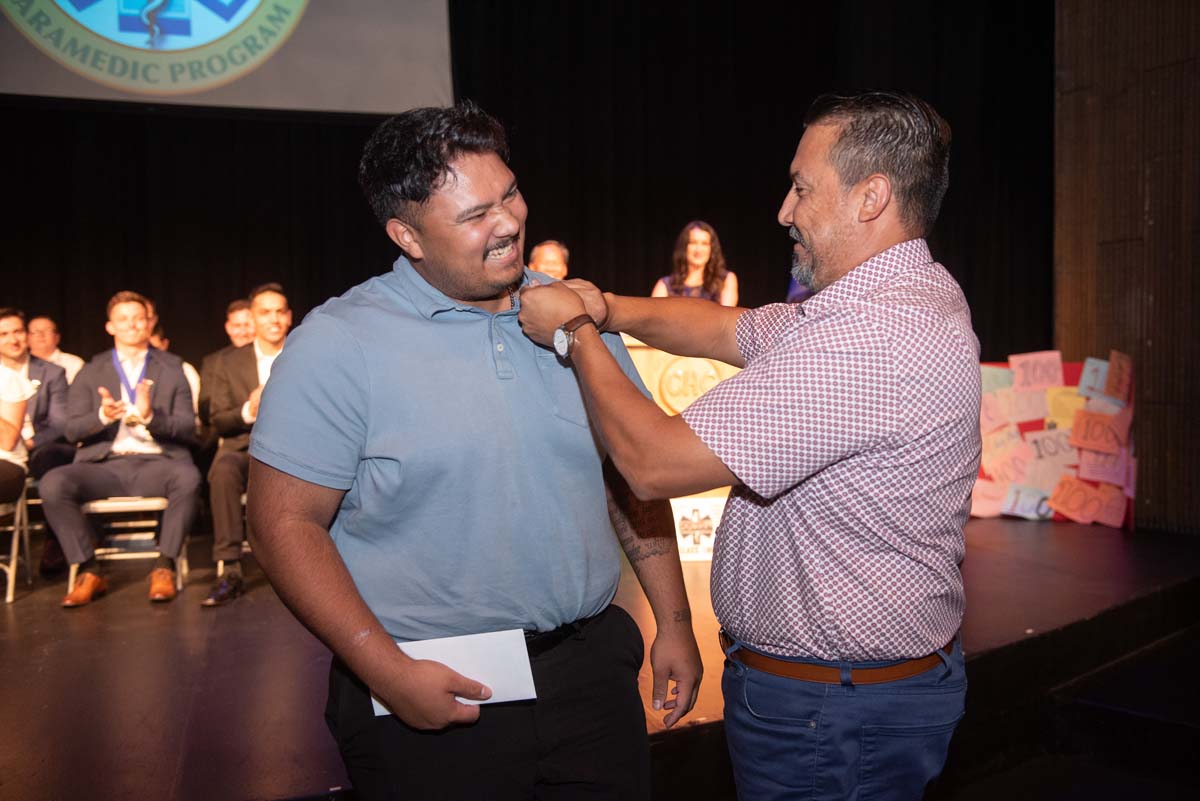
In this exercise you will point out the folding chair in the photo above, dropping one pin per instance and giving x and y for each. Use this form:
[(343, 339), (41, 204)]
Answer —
[(19, 512), (129, 530)]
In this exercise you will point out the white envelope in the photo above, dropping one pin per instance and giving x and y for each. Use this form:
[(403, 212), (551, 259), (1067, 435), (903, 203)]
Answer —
[(499, 659)]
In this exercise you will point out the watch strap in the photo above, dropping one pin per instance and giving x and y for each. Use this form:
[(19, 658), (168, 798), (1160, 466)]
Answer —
[(575, 323)]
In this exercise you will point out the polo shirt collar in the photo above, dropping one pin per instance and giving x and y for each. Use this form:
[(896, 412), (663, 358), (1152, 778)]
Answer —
[(427, 299), (875, 273)]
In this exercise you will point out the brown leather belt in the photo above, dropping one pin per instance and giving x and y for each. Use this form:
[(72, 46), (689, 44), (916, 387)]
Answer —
[(831, 675)]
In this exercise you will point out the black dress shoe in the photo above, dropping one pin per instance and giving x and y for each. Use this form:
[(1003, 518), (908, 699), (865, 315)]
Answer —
[(225, 589)]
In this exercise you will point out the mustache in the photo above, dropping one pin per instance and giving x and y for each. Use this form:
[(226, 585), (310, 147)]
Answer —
[(795, 234), (502, 243)]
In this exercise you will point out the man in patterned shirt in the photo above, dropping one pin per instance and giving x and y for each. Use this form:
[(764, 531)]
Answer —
[(851, 439)]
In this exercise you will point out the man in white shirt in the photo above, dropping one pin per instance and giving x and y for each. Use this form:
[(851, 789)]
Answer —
[(45, 414), (130, 412), (236, 381), (43, 343)]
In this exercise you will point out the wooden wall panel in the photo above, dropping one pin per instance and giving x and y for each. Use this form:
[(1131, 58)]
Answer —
[(1127, 224)]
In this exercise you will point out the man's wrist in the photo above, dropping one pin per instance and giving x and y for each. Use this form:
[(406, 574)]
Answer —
[(606, 324), (589, 325), (676, 621)]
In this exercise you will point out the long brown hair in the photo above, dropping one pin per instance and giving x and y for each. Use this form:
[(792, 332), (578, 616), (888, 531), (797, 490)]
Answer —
[(714, 272)]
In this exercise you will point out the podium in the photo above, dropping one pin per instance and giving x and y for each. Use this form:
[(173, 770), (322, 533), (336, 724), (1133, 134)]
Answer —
[(675, 382)]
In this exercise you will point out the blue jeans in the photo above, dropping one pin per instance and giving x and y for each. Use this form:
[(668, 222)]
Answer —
[(792, 739)]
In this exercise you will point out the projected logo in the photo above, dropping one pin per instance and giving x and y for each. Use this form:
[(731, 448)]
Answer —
[(157, 46)]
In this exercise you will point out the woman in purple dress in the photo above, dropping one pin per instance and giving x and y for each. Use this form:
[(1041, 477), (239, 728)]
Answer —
[(700, 270)]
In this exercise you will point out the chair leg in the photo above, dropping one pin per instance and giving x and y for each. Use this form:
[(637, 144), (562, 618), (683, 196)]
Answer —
[(23, 509), (181, 568), (11, 568)]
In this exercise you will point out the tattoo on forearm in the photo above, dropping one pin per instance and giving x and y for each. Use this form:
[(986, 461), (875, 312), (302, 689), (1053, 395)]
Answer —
[(682, 615), (637, 549), (644, 528)]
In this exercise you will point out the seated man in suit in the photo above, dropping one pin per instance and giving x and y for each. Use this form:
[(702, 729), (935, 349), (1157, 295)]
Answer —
[(45, 415), (236, 385), (43, 343), (130, 411), (239, 327)]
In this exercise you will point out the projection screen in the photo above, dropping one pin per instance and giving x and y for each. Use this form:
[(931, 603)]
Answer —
[(372, 56)]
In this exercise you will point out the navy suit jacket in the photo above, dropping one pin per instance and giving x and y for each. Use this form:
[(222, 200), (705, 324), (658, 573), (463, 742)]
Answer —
[(173, 424), (49, 412)]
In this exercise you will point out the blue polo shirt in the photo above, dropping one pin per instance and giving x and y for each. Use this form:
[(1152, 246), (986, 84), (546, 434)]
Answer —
[(474, 494)]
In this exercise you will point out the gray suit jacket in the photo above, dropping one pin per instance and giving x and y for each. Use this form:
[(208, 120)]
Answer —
[(173, 424)]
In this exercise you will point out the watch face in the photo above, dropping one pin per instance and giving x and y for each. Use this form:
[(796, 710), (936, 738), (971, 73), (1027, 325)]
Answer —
[(562, 342)]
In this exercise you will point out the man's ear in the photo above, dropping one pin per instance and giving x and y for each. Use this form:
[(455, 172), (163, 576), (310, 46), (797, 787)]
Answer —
[(875, 196), (110, 329), (407, 237)]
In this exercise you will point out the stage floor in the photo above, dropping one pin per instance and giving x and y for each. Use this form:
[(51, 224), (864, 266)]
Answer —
[(127, 700)]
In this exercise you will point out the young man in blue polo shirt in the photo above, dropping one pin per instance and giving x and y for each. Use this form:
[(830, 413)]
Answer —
[(421, 469)]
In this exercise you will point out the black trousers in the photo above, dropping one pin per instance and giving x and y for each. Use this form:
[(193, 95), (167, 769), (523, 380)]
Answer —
[(226, 482), (45, 458), (12, 481), (583, 738)]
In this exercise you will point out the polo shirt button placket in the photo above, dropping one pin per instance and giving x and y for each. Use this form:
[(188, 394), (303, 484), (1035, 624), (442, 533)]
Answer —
[(504, 368)]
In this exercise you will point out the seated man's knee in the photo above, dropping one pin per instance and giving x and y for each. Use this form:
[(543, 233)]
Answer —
[(225, 468), (190, 479), (56, 484)]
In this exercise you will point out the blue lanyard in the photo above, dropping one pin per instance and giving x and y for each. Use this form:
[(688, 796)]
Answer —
[(130, 388)]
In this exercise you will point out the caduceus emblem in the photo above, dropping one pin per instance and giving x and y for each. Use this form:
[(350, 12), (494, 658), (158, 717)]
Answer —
[(149, 15), (695, 527)]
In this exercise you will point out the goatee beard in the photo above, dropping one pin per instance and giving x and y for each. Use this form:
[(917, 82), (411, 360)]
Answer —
[(803, 273)]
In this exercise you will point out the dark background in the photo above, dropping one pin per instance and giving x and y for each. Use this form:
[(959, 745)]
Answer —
[(626, 120)]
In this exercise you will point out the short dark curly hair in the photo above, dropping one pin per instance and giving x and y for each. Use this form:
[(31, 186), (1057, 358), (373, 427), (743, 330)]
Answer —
[(408, 156), (896, 134)]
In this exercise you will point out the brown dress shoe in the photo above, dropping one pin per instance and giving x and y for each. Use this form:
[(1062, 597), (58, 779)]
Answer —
[(88, 587), (162, 585)]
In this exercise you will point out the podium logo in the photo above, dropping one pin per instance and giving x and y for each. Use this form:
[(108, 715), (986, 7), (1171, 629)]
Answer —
[(685, 379), (157, 47)]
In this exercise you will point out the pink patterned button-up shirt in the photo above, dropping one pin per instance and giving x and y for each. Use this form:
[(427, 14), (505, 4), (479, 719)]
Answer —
[(855, 431)]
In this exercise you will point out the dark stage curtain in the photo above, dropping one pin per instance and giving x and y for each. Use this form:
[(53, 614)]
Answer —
[(192, 207), (626, 120), (629, 118)]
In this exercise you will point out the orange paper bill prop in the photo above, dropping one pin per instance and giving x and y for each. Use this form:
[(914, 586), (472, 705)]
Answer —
[(1098, 432), (1076, 500), (1112, 506), (1120, 376), (1040, 370)]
